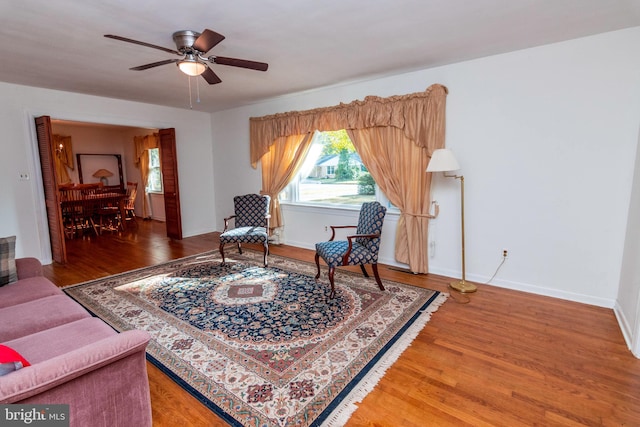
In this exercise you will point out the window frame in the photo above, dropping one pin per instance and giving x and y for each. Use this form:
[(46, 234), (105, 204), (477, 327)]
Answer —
[(290, 195), (150, 171)]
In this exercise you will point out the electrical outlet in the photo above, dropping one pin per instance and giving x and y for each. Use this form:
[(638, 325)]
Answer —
[(326, 228), (24, 176), (505, 253)]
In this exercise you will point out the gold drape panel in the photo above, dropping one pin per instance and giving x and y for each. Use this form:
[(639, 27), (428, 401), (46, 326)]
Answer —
[(142, 144), (403, 130), (279, 165), (387, 149), (64, 157)]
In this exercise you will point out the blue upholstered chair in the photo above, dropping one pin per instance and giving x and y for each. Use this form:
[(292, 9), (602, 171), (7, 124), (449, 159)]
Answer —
[(251, 223), (359, 249)]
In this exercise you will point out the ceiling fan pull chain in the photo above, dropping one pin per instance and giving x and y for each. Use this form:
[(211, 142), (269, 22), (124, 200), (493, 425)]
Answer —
[(198, 90)]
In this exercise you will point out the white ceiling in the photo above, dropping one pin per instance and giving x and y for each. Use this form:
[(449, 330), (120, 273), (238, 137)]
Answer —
[(307, 43)]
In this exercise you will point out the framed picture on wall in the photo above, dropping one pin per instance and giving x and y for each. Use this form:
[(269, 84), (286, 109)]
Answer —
[(104, 168)]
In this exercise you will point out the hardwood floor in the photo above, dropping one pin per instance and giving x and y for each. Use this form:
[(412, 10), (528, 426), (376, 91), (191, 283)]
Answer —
[(505, 358)]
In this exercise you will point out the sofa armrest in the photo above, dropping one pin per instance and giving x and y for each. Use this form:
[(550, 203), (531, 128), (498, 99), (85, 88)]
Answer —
[(46, 375), (28, 267)]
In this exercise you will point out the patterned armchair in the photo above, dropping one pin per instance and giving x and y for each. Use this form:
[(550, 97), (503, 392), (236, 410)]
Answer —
[(359, 249), (251, 223)]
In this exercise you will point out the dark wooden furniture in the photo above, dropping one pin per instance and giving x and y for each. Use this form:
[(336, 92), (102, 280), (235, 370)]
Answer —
[(83, 204)]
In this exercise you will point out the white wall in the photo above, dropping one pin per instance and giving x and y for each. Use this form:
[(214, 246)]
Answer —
[(627, 308), (22, 210), (547, 141), (96, 140)]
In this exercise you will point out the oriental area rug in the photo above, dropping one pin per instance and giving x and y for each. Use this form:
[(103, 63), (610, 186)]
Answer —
[(264, 346)]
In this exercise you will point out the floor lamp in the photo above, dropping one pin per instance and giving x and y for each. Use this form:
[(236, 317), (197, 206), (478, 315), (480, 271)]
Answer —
[(442, 160)]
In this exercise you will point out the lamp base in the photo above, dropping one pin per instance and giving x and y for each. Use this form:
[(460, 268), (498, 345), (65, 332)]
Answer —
[(463, 286)]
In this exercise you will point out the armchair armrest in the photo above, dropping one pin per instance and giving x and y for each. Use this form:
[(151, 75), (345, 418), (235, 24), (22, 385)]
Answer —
[(43, 376), (28, 267), (335, 227), (345, 258), (226, 222)]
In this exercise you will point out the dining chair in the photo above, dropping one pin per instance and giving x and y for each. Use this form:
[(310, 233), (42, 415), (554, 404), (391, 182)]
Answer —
[(251, 223), (130, 202), (78, 210), (70, 207), (108, 207), (359, 249)]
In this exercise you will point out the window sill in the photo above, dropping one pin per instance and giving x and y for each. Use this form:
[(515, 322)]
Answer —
[(319, 207)]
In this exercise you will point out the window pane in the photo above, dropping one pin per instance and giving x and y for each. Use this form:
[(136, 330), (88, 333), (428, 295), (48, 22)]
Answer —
[(332, 173), (154, 183), (154, 157)]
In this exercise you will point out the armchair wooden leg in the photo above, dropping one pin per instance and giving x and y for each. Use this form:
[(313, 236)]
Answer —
[(266, 252), (375, 273), (364, 270), (318, 265), (332, 270), (222, 251)]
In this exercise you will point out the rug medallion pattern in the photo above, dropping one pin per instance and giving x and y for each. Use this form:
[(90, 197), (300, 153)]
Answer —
[(262, 346)]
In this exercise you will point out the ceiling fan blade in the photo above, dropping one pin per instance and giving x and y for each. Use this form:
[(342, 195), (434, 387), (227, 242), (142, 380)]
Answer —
[(207, 40), (154, 64), (211, 77), (243, 63), (153, 46)]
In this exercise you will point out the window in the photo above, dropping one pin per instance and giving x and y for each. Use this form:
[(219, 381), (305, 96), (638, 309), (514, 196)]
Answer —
[(154, 181), (332, 174)]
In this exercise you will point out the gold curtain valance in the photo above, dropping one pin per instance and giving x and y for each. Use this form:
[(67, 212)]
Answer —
[(144, 143), (420, 115)]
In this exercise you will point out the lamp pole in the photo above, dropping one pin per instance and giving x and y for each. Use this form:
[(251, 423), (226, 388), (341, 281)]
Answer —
[(462, 285), (443, 160)]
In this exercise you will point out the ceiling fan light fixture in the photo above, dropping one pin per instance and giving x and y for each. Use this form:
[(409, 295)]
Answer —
[(191, 67)]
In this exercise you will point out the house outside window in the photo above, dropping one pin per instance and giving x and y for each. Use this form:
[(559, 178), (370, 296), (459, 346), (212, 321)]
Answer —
[(154, 181), (332, 175)]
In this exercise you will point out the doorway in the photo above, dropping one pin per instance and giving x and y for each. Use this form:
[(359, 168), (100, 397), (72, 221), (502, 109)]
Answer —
[(104, 141)]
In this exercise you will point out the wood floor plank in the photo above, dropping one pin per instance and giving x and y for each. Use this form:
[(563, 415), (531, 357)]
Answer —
[(504, 358)]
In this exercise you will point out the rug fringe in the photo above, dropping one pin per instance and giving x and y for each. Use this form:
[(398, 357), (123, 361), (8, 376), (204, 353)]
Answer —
[(347, 407)]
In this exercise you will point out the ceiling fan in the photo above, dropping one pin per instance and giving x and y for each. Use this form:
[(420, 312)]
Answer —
[(192, 47)]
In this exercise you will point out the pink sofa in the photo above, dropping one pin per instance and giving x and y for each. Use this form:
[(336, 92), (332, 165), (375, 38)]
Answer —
[(76, 359)]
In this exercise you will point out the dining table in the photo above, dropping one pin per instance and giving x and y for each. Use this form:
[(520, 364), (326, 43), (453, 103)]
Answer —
[(82, 206)]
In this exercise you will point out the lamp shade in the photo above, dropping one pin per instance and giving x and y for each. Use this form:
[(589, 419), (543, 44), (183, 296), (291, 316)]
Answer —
[(100, 173), (442, 160), (191, 67)]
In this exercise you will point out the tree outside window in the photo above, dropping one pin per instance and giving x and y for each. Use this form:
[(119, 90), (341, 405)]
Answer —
[(333, 174)]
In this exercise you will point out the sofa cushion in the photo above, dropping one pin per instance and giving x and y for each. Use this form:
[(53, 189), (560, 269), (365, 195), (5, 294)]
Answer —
[(8, 272), (25, 290), (61, 339), (28, 267), (35, 316)]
